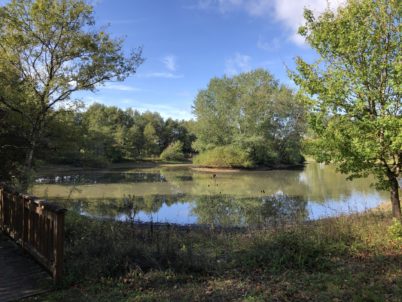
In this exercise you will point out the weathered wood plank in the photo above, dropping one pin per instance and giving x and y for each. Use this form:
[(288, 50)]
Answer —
[(20, 275)]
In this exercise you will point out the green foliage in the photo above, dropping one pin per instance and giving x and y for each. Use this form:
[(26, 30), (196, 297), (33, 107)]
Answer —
[(118, 135), (355, 90), (49, 50), (107, 129), (101, 135), (173, 152), (12, 144), (151, 140), (395, 230), (224, 157), (174, 130), (254, 113)]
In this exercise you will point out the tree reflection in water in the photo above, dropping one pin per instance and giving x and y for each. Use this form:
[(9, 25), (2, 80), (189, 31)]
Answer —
[(221, 210), (213, 210)]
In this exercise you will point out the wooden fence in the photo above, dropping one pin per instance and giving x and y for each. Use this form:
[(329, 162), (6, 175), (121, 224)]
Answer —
[(36, 225)]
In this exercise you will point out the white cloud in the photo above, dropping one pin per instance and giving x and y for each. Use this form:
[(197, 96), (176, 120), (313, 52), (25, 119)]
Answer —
[(165, 75), (119, 87), (170, 62), (237, 64), (271, 45), (288, 12)]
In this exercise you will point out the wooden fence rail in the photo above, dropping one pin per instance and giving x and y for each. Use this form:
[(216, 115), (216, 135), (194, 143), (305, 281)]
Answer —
[(36, 225)]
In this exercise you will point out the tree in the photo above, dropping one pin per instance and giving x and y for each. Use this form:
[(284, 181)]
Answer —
[(355, 90), (252, 113), (151, 146), (50, 49), (105, 128), (103, 134), (173, 152), (62, 139), (12, 144), (153, 133), (175, 130)]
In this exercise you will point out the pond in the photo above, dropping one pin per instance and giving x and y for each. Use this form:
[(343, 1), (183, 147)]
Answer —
[(183, 195)]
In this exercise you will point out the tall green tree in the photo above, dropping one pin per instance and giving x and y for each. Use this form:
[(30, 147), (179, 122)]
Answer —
[(50, 49), (151, 146), (252, 113), (355, 89)]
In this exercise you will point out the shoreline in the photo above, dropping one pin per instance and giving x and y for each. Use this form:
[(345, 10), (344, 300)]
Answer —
[(145, 164), (262, 168)]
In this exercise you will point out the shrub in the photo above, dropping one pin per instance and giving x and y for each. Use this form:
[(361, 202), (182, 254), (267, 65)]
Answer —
[(224, 157), (395, 230), (173, 152)]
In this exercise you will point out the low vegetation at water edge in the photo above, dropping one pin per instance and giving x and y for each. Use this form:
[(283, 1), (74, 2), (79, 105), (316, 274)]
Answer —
[(224, 157), (173, 152)]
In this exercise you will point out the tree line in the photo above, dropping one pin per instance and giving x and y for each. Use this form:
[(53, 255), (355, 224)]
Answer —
[(97, 136)]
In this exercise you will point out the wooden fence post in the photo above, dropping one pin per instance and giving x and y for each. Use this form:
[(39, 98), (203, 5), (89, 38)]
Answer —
[(58, 243), (2, 209), (24, 229)]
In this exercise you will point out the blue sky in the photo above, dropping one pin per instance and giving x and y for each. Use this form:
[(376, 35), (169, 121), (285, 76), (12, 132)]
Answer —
[(188, 42)]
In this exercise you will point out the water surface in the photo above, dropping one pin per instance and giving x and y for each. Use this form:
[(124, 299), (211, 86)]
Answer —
[(180, 194)]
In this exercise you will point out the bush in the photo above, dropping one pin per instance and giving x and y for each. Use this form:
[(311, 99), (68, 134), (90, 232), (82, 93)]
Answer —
[(173, 152), (224, 157), (395, 230)]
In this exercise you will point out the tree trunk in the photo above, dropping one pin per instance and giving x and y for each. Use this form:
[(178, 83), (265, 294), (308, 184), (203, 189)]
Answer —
[(27, 170), (35, 136), (396, 205), (29, 157)]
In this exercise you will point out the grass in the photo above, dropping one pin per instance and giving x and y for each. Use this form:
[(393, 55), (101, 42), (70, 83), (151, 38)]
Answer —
[(350, 258)]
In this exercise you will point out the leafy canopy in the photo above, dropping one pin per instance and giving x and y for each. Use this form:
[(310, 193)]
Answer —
[(252, 113), (355, 88), (50, 49), (53, 49)]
